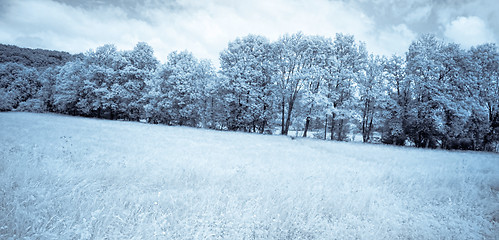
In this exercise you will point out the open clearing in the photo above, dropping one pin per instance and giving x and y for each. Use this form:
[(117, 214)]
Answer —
[(67, 177)]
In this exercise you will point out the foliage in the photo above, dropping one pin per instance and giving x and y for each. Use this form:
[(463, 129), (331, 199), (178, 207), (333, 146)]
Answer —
[(176, 94), (248, 69), (36, 58), (439, 96)]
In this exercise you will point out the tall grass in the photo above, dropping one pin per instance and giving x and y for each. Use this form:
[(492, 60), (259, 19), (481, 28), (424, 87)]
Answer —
[(75, 178)]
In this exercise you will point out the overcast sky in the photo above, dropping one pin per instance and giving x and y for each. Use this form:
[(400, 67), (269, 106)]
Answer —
[(205, 27)]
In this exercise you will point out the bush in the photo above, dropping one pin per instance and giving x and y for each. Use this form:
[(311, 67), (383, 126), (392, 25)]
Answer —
[(32, 105)]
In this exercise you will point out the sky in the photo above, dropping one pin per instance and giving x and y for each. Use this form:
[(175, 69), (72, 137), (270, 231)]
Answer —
[(205, 27)]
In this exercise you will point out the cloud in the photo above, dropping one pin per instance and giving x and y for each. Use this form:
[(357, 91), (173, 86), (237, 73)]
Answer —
[(64, 27), (205, 27), (394, 40), (468, 31), (419, 14)]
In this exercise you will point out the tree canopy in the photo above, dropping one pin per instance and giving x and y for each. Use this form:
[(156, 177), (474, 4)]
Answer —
[(438, 95)]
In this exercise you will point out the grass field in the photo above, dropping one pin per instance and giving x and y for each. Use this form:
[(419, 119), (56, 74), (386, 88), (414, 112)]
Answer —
[(66, 177)]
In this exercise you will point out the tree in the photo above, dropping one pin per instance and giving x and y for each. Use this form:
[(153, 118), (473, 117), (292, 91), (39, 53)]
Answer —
[(97, 97), (69, 84), (371, 87), (440, 92), (424, 70), (211, 103), (17, 84), (396, 110), (455, 96), (350, 61), (484, 126), (314, 103), (176, 93), (137, 68), (48, 80), (247, 67), (297, 58)]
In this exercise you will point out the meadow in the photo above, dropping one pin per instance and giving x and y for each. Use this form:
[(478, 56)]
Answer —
[(65, 177)]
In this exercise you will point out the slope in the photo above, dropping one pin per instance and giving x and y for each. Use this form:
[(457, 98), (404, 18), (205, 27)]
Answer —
[(67, 177)]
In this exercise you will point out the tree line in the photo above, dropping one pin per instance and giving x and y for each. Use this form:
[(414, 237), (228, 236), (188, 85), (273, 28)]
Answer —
[(438, 96)]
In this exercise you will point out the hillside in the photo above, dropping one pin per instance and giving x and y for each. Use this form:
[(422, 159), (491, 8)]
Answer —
[(38, 58), (66, 177)]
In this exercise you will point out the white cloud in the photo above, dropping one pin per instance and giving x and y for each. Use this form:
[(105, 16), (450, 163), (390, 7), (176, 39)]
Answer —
[(202, 27), (394, 40), (468, 31), (63, 27), (210, 27), (419, 14)]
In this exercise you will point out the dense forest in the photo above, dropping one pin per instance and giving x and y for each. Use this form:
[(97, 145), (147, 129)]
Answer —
[(37, 58), (438, 95)]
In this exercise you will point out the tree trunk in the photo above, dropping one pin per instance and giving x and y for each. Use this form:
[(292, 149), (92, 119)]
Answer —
[(367, 126), (332, 126), (288, 117), (365, 119), (282, 118), (262, 128), (370, 128), (365, 136), (325, 129), (340, 129), (306, 127)]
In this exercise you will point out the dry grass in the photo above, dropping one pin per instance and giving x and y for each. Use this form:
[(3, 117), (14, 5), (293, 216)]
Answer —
[(64, 177)]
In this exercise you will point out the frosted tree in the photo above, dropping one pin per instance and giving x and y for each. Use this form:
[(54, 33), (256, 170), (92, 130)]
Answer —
[(48, 80), (83, 86), (69, 83), (439, 108), (176, 93), (136, 68), (314, 103), (396, 109), (484, 122), (371, 90), (211, 104), (456, 98), (294, 64), (350, 61), (18, 84), (424, 68), (247, 68), (96, 96)]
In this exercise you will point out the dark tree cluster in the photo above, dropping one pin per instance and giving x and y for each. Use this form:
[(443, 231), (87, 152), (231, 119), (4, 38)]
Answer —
[(438, 96), (37, 58)]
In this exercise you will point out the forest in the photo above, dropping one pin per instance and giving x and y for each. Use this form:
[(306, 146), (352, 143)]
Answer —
[(438, 95)]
